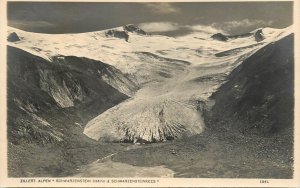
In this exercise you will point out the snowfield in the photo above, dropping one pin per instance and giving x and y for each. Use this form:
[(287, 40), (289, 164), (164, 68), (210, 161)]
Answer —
[(175, 75)]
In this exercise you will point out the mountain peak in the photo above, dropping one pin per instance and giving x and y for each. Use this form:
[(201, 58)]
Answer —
[(220, 37), (134, 29), (258, 35), (123, 32)]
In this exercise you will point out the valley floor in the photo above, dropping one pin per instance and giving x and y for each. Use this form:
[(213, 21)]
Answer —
[(209, 155)]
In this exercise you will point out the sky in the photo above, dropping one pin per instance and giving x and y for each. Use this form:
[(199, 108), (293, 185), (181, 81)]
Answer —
[(161, 18)]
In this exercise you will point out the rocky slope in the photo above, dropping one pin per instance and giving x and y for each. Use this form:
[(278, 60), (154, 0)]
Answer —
[(37, 87), (258, 97)]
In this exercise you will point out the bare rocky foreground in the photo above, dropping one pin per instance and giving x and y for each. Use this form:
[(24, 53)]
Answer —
[(205, 107)]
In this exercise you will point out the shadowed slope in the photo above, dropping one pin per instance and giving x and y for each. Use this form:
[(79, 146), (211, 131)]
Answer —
[(259, 95), (37, 87)]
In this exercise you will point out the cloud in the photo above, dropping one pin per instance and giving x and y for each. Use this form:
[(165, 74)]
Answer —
[(30, 24), (204, 28), (162, 8), (159, 26), (224, 27), (227, 26)]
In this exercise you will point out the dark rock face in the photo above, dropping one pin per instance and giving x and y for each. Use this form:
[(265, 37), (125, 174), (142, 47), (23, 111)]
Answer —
[(117, 34), (134, 29), (13, 37), (259, 95), (124, 34), (220, 37), (258, 35), (46, 99)]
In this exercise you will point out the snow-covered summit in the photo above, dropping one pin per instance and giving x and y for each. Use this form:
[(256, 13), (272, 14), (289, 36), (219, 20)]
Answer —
[(96, 45)]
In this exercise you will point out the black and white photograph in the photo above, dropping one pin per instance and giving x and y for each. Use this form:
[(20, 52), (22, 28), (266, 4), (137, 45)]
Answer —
[(159, 90)]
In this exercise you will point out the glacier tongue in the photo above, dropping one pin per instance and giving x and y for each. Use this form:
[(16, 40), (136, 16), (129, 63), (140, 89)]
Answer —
[(146, 120)]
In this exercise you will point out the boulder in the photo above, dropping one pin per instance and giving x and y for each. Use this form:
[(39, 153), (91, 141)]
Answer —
[(13, 37)]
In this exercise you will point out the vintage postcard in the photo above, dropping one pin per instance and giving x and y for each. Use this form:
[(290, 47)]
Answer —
[(150, 94)]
